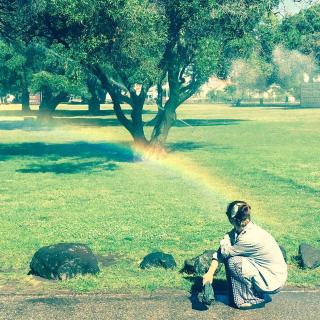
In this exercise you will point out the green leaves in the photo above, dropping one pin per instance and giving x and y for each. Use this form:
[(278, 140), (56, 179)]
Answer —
[(59, 72), (12, 65), (45, 79), (302, 31), (138, 43)]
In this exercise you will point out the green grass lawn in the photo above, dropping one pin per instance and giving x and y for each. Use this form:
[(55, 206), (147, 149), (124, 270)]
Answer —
[(79, 182)]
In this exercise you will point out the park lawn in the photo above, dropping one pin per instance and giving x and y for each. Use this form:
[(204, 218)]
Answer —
[(78, 181)]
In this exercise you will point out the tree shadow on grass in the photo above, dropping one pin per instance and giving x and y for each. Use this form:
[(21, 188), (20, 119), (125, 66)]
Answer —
[(281, 106), (67, 113), (299, 107), (87, 122), (52, 154), (267, 105), (206, 122), (185, 146), (32, 124), (69, 167), (290, 183), (105, 151), (29, 125)]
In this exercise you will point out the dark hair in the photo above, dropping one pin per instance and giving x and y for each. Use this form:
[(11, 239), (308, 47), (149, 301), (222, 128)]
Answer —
[(239, 214)]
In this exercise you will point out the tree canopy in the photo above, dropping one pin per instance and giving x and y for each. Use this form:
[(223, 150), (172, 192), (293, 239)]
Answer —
[(7, 7), (302, 31), (18, 62), (150, 43)]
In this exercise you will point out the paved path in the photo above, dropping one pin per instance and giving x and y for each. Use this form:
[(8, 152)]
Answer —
[(168, 305)]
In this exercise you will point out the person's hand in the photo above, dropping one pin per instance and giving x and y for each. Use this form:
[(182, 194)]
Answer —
[(225, 245), (207, 278), (226, 241)]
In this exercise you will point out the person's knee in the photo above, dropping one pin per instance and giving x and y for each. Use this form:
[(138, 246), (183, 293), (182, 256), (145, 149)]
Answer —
[(232, 262), (234, 268)]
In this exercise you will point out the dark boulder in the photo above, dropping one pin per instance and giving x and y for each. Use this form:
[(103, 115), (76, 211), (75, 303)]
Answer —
[(63, 261), (158, 259), (189, 266), (200, 264), (310, 257), (284, 253)]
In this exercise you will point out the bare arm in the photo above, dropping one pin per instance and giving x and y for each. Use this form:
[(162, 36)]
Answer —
[(208, 277), (225, 244)]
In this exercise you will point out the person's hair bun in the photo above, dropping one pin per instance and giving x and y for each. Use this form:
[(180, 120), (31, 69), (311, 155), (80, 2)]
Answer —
[(243, 212), (238, 210)]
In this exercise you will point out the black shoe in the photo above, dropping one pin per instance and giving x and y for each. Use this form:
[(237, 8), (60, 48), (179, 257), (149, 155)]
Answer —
[(267, 298), (252, 306)]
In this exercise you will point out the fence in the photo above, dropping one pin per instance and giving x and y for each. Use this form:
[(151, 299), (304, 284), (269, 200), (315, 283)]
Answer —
[(310, 94)]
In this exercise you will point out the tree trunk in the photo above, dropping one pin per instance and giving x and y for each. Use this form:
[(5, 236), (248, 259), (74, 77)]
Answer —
[(94, 105), (165, 120), (137, 131), (135, 127), (49, 103), (25, 95), (94, 102), (25, 99)]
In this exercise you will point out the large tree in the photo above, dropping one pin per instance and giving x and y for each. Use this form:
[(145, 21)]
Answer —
[(302, 31), (293, 68), (17, 64), (7, 7), (249, 76), (96, 94), (150, 42), (58, 76)]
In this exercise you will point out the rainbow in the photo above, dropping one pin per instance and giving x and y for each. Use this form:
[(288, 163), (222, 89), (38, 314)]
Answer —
[(176, 163), (204, 181)]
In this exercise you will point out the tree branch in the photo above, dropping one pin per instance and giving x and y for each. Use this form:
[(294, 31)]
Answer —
[(115, 94)]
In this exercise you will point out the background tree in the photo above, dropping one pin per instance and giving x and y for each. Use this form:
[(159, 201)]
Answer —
[(282, 65), (57, 78), (293, 68), (8, 72), (7, 8), (17, 64), (250, 76), (131, 42), (302, 31), (96, 94)]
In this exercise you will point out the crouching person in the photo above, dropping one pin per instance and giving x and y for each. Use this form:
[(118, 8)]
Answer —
[(254, 263)]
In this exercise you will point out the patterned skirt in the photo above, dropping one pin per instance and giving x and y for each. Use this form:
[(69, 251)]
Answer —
[(241, 289)]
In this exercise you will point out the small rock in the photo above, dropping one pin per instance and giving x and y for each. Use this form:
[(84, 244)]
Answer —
[(63, 261), (189, 266), (310, 257), (158, 259), (202, 263), (284, 253), (199, 264)]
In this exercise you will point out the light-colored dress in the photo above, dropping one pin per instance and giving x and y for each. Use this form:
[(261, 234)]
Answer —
[(256, 258)]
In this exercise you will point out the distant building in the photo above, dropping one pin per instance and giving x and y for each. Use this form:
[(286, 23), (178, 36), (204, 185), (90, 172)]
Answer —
[(310, 94), (213, 84), (35, 99)]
